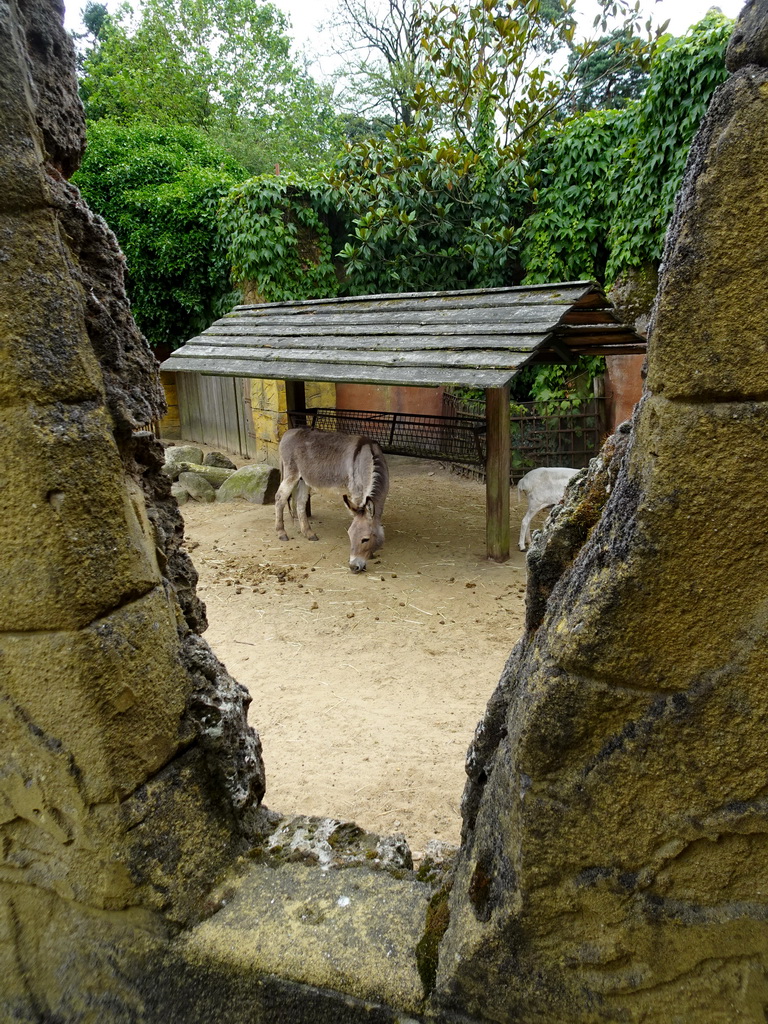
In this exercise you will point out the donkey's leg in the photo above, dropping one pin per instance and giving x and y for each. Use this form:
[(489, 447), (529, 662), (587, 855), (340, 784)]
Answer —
[(302, 506), (282, 496)]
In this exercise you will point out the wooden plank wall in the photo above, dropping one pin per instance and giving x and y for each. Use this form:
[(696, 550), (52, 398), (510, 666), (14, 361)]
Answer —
[(213, 411)]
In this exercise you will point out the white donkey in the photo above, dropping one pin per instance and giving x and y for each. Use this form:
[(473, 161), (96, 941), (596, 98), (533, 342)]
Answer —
[(543, 487), (346, 463)]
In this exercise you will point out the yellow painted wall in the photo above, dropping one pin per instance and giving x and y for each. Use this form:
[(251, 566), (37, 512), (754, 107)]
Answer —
[(170, 424), (270, 413)]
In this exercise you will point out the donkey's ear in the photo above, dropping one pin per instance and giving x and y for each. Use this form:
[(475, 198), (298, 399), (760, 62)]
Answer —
[(352, 508), (370, 511)]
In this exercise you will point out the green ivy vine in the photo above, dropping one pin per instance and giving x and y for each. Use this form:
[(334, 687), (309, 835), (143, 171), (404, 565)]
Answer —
[(277, 234), (684, 74), (577, 169)]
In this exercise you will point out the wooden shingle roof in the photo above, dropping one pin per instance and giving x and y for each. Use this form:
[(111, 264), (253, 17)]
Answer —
[(478, 337)]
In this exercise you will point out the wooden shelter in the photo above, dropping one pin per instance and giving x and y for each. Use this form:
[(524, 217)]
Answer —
[(479, 337)]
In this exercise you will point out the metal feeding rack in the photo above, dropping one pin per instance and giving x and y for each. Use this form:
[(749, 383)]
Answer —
[(446, 438)]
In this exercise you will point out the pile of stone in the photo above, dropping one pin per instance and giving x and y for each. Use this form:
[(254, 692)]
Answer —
[(214, 477)]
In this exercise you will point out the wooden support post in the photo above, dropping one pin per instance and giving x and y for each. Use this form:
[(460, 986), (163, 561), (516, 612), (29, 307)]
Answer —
[(497, 467)]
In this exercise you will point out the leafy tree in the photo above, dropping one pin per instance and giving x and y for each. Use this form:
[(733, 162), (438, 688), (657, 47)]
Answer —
[(439, 205), (609, 76), (95, 17), (221, 65), (493, 73), (159, 189), (142, 75), (380, 41), (426, 215), (355, 127), (604, 182)]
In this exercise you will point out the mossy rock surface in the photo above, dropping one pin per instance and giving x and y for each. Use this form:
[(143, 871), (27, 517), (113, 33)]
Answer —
[(179, 454), (257, 484), (181, 494), (215, 475), (197, 487), (219, 460)]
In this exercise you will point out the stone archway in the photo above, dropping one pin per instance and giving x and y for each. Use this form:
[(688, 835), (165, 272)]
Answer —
[(613, 860)]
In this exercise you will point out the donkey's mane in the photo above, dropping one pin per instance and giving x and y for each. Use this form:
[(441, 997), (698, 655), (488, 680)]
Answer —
[(379, 474)]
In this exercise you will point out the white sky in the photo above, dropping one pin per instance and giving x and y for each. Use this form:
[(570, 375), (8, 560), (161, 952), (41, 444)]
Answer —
[(307, 15)]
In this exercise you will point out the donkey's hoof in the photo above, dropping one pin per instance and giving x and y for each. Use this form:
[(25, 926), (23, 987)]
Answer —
[(312, 536), (282, 536)]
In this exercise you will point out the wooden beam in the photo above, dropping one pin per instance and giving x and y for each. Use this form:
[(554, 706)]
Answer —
[(497, 468), (338, 373), (470, 352), (561, 351), (566, 294)]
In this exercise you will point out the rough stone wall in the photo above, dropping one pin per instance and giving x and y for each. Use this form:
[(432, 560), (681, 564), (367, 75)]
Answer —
[(615, 858), (126, 751)]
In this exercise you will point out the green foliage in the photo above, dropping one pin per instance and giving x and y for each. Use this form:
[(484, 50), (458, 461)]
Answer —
[(159, 189), (559, 388), (446, 214), (278, 239), (578, 168), (684, 74), (95, 17), (485, 71), (96, 20), (555, 388), (426, 216), (423, 215), (539, 393), (142, 76), (355, 128), (493, 73), (221, 65), (605, 181), (611, 75)]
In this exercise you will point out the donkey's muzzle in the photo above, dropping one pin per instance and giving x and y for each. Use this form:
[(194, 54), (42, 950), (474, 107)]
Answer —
[(357, 565)]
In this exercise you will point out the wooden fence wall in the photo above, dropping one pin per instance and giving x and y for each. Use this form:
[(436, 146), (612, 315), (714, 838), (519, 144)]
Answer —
[(216, 411)]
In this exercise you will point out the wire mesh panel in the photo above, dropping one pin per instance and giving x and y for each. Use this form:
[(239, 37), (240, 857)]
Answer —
[(448, 438), (571, 439), (568, 439)]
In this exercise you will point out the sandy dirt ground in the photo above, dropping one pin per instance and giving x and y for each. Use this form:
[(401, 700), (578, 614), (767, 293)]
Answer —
[(366, 688)]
